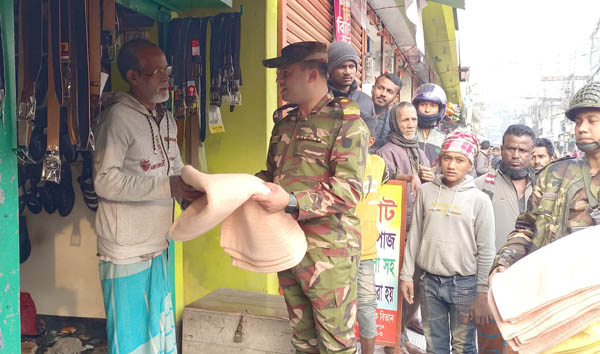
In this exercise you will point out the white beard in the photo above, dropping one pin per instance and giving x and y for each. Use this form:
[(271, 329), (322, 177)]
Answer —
[(160, 97)]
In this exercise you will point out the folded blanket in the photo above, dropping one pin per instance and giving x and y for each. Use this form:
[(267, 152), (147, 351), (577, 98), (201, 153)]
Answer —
[(260, 241), (255, 239), (550, 295)]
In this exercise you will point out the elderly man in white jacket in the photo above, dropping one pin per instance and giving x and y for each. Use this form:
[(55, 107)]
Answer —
[(137, 176)]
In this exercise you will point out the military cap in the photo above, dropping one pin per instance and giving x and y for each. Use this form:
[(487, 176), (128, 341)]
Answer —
[(297, 52)]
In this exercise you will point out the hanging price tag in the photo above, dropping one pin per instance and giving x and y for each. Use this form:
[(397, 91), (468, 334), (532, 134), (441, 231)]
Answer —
[(215, 122)]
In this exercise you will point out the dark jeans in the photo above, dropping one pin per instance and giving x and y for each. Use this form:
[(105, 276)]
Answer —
[(445, 306)]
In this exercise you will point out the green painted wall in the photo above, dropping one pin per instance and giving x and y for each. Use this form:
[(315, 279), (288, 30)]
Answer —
[(242, 148), (10, 328)]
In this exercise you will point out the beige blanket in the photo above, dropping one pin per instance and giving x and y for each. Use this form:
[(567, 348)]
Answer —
[(550, 295), (255, 239)]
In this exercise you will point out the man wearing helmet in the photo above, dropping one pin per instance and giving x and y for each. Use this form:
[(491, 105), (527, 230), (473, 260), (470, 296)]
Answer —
[(567, 189), (430, 101)]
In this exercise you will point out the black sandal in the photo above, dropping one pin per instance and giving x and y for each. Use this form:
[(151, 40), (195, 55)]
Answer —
[(65, 195), (86, 182)]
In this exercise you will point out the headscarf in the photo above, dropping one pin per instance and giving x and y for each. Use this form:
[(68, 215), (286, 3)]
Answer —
[(410, 145), (462, 141)]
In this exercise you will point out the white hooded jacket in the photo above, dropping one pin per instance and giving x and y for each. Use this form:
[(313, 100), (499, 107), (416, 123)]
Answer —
[(133, 160)]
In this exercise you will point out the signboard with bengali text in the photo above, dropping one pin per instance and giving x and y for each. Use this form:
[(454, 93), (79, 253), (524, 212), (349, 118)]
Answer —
[(343, 22), (390, 250)]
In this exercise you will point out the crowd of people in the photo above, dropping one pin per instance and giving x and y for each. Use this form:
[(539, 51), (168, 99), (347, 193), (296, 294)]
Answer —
[(472, 210)]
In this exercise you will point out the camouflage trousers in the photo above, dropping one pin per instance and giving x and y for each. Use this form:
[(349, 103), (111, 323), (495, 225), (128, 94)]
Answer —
[(320, 294)]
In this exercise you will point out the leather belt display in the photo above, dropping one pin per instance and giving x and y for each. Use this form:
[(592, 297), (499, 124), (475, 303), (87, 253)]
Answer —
[(188, 56), (51, 164)]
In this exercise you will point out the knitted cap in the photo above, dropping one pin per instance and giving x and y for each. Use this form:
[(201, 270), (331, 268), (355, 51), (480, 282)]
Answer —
[(462, 141), (338, 53)]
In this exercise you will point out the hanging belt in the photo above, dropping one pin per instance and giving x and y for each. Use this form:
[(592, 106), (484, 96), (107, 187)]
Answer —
[(180, 29), (81, 89), (65, 65), (30, 63), (107, 43), (193, 70), (227, 69), (203, 29), (236, 38), (95, 57), (216, 58), (51, 164), (108, 27), (172, 57)]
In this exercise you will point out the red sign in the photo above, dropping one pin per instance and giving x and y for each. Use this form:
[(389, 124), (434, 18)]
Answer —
[(343, 25)]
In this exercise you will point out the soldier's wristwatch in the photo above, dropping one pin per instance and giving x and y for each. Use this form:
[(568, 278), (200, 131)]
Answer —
[(292, 207)]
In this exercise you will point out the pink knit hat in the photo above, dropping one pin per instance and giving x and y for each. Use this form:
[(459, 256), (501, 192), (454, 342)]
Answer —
[(463, 141)]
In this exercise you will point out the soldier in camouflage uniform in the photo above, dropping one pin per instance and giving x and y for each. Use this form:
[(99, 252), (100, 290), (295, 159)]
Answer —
[(316, 163), (565, 196)]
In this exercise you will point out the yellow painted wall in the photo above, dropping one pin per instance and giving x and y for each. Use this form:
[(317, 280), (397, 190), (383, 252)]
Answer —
[(242, 148)]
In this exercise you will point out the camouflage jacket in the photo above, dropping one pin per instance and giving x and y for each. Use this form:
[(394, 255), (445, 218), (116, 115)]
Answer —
[(547, 215), (321, 158)]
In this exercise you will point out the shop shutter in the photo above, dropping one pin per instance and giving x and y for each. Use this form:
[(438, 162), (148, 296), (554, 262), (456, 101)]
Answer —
[(358, 35), (305, 20)]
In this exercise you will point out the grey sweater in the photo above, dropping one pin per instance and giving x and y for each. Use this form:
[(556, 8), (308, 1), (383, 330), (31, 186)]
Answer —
[(133, 160), (452, 232), (505, 201)]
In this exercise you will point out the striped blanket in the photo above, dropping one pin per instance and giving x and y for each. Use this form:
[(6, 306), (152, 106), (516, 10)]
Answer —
[(139, 313)]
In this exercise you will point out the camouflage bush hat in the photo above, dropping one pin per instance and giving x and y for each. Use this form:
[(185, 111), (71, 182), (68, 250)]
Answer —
[(587, 97), (297, 52)]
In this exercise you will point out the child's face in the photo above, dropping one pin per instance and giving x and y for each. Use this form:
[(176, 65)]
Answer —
[(455, 167), (407, 121)]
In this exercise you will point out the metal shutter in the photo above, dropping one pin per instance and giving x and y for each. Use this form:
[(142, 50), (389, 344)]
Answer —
[(358, 40), (305, 20)]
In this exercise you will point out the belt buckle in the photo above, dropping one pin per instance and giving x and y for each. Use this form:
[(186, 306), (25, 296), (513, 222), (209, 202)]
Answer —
[(26, 109), (51, 166)]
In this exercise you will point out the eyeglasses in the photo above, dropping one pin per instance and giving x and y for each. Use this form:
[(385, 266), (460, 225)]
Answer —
[(162, 71)]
